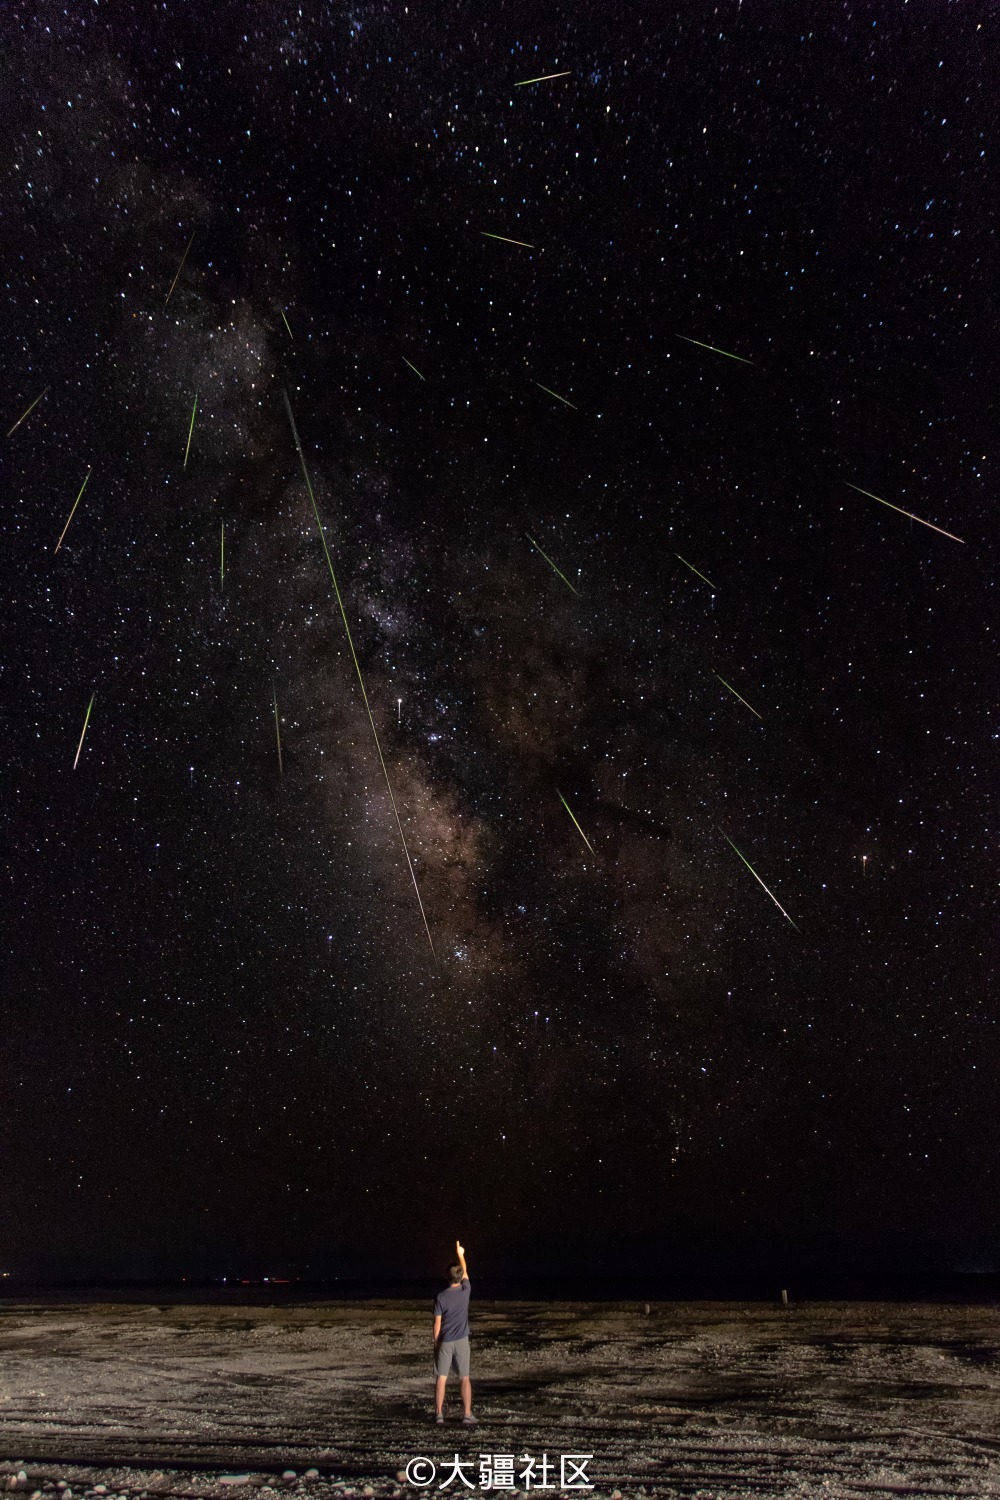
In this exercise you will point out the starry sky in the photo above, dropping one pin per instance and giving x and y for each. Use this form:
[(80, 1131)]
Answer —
[(638, 911)]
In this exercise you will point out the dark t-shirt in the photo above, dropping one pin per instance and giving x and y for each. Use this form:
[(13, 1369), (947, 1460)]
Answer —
[(452, 1307)]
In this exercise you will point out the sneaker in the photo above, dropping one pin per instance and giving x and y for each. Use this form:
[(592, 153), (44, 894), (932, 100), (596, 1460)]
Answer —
[(470, 1421), (439, 1419)]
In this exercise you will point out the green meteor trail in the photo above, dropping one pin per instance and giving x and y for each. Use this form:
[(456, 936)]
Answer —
[(181, 266), (902, 512), (737, 695), (544, 78), (756, 877), (86, 721), (357, 666), (552, 565), (72, 513), (285, 321), (714, 349), (549, 392), (28, 412), (576, 825), (695, 570), (277, 730), (187, 450), (412, 367), (506, 240)]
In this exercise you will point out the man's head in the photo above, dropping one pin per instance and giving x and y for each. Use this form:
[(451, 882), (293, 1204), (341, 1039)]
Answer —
[(455, 1275)]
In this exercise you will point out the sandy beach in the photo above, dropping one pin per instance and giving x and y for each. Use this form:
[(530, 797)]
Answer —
[(719, 1400)]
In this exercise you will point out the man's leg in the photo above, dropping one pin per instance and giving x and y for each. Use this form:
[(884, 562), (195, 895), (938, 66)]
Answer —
[(440, 1384), (466, 1384)]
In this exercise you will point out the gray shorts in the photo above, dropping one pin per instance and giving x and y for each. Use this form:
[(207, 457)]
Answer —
[(453, 1354)]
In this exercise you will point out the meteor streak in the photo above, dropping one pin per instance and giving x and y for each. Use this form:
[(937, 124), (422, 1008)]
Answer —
[(695, 570), (357, 666), (506, 240), (737, 695), (277, 730), (902, 512), (86, 721), (756, 877), (72, 513), (552, 565), (544, 78), (181, 266), (28, 412), (548, 392), (187, 450), (413, 367), (576, 825), (285, 321), (714, 349)]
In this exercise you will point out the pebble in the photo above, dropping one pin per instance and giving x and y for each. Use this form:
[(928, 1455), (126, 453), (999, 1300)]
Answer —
[(289, 1474), (234, 1478)]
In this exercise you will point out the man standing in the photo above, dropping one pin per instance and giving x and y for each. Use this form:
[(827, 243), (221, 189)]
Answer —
[(451, 1336)]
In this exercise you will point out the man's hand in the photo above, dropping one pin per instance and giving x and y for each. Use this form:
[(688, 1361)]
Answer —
[(459, 1248)]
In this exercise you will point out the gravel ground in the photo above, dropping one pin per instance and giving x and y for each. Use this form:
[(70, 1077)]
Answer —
[(714, 1400)]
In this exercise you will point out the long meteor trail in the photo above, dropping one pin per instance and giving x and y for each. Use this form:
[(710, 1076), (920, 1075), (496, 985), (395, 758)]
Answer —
[(277, 730), (576, 825), (735, 694), (357, 666), (506, 239), (552, 565), (522, 82), (28, 412), (72, 513), (903, 512), (695, 570), (714, 349), (549, 392), (86, 721), (180, 268), (194, 410), (756, 877)]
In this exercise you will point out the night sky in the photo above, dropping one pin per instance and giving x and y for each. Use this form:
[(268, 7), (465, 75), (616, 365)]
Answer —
[(626, 623)]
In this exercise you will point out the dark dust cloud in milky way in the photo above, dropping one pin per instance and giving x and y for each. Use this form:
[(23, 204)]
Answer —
[(599, 382)]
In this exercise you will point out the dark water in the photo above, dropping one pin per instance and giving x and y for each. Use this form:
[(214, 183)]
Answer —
[(953, 1288)]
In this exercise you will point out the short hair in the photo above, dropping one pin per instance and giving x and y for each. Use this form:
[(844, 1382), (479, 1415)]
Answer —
[(455, 1273)]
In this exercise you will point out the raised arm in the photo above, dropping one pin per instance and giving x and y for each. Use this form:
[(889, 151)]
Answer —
[(460, 1252)]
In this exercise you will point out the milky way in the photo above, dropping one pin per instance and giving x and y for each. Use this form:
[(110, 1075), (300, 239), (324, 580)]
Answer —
[(631, 622)]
